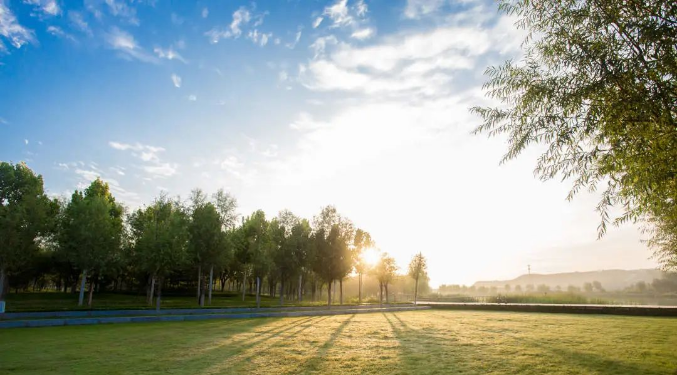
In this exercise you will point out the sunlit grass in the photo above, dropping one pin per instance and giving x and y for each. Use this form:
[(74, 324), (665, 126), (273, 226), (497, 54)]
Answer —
[(420, 342)]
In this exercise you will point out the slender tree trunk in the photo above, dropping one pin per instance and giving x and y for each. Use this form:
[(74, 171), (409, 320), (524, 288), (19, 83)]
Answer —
[(380, 298), (81, 299), (341, 291), (159, 294), (91, 290), (386, 287), (359, 293), (333, 298), (281, 291), (199, 282), (300, 287), (211, 283), (152, 290), (416, 291), (329, 294), (258, 292), (2, 284), (244, 284)]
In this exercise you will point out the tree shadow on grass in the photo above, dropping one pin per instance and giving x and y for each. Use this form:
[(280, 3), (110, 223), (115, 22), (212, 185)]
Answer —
[(312, 364), (221, 352)]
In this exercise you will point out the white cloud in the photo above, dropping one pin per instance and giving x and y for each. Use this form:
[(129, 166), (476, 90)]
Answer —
[(79, 22), (12, 31), (192, 98), (26, 141), (126, 45), (297, 38), (89, 175), (418, 8), (205, 12), (260, 39), (420, 64), (338, 12), (176, 80), (241, 17), (169, 54), (154, 166), (317, 22), (57, 31), (119, 8), (46, 7), (320, 45), (363, 34)]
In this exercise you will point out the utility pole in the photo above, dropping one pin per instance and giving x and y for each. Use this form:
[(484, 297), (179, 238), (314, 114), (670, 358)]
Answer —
[(529, 269)]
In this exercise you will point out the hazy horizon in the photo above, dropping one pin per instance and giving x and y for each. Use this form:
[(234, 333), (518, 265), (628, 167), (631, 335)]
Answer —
[(358, 104)]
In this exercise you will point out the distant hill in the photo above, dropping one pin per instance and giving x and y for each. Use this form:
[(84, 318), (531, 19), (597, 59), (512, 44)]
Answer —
[(610, 279)]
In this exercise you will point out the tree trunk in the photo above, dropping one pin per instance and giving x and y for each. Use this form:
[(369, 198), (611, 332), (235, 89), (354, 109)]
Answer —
[(341, 294), (91, 291), (281, 291), (199, 282), (159, 294), (386, 286), (300, 287), (258, 292), (333, 298), (416, 291), (329, 294), (380, 298), (211, 284), (359, 292), (244, 284), (152, 290), (2, 284), (81, 299)]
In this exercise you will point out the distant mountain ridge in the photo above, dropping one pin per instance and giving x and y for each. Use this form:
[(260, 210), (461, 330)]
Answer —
[(610, 279)]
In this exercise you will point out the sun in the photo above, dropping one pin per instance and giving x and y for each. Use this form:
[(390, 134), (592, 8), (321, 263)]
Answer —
[(371, 256)]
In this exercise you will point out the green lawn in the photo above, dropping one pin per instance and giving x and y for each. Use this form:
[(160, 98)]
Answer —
[(416, 342)]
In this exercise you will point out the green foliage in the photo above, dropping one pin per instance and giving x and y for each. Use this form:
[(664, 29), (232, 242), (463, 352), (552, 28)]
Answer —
[(597, 86), (160, 237), (26, 216), (90, 230)]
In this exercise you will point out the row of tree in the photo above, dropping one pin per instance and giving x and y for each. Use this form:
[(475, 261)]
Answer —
[(184, 244)]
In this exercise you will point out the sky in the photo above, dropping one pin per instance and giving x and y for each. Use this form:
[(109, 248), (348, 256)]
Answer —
[(362, 104)]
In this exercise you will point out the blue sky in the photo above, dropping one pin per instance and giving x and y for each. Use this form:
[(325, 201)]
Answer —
[(296, 104)]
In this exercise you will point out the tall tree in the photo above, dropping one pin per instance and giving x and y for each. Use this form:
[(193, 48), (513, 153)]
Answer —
[(385, 271), (254, 251), (206, 243), (417, 269), (160, 236), (91, 232), (597, 87), (25, 217), (330, 221), (361, 242)]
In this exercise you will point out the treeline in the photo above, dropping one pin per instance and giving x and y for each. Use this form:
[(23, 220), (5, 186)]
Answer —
[(90, 242)]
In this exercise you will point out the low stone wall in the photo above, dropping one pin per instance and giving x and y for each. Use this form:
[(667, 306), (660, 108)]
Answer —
[(564, 309), (190, 317)]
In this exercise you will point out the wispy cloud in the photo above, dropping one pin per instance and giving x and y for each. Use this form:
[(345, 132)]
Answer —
[(176, 80), (46, 7), (58, 32), (192, 98), (419, 8), (241, 17), (170, 54), (12, 31), (363, 34), (154, 167), (126, 45), (78, 21), (205, 12)]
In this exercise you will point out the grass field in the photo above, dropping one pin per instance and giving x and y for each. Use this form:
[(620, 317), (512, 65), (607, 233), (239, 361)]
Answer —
[(418, 342)]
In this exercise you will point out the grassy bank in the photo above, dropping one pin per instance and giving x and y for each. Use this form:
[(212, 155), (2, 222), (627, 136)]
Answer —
[(422, 342)]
